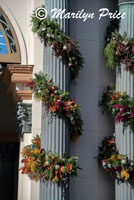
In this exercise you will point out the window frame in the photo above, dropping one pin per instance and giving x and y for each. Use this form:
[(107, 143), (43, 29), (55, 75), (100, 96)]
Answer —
[(10, 57)]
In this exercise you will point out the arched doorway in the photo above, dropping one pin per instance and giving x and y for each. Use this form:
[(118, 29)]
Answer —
[(9, 137)]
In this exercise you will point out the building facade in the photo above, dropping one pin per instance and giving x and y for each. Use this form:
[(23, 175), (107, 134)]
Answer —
[(21, 56)]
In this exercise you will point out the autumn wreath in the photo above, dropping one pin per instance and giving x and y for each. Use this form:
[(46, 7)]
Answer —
[(57, 102), (41, 165), (118, 165), (120, 105), (63, 45), (120, 50)]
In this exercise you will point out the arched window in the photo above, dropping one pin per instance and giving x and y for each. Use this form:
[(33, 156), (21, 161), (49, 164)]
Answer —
[(9, 46)]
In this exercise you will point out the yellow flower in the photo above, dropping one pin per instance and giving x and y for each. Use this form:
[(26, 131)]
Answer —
[(25, 151), (33, 166), (113, 157), (75, 105), (36, 151), (28, 165), (56, 179), (125, 174), (120, 157)]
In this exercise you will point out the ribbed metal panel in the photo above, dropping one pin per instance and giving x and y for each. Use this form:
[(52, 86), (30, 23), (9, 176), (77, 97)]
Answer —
[(55, 131), (125, 82), (125, 1)]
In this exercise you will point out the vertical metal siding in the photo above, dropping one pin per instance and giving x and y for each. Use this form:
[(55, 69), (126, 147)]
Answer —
[(125, 83), (55, 131)]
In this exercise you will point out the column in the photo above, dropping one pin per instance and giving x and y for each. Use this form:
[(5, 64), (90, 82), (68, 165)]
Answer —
[(125, 82), (55, 132)]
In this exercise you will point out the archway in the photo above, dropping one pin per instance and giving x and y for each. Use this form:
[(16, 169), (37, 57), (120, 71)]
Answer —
[(9, 137)]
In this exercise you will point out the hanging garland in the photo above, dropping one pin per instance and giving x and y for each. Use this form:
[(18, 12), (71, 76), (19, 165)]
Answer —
[(114, 163), (111, 28), (62, 45), (120, 50), (41, 165), (120, 105), (57, 102)]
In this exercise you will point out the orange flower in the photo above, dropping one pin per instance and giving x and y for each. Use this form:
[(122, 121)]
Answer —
[(111, 141), (71, 108), (62, 169), (36, 141), (69, 102), (52, 95), (52, 165), (53, 109), (69, 167), (53, 87), (57, 98), (120, 157), (56, 172), (115, 95)]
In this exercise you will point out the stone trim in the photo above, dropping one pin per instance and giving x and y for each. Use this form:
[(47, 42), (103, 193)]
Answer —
[(16, 77)]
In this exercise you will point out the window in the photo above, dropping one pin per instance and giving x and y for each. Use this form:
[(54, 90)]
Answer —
[(9, 46)]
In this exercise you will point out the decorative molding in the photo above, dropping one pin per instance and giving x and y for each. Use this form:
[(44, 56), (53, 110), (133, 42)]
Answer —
[(24, 118), (13, 55), (22, 95), (16, 77)]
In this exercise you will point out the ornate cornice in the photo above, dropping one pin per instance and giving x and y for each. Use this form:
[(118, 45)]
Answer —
[(22, 95), (16, 77)]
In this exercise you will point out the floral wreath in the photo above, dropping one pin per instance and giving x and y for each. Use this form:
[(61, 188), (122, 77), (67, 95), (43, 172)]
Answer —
[(118, 165), (120, 105), (57, 102), (41, 165), (120, 50), (62, 44)]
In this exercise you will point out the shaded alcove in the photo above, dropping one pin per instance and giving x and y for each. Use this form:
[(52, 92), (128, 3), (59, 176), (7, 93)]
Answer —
[(7, 108), (9, 144)]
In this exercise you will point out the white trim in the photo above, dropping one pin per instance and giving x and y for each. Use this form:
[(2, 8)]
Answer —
[(127, 2)]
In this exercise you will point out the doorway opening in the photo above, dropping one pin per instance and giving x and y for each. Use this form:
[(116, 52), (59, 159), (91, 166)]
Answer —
[(9, 143)]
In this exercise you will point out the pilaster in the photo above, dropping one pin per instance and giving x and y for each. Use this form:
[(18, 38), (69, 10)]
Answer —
[(55, 131), (125, 83)]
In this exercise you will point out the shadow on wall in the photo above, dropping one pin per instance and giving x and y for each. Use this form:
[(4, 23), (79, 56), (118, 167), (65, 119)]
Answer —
[(7, 108)]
